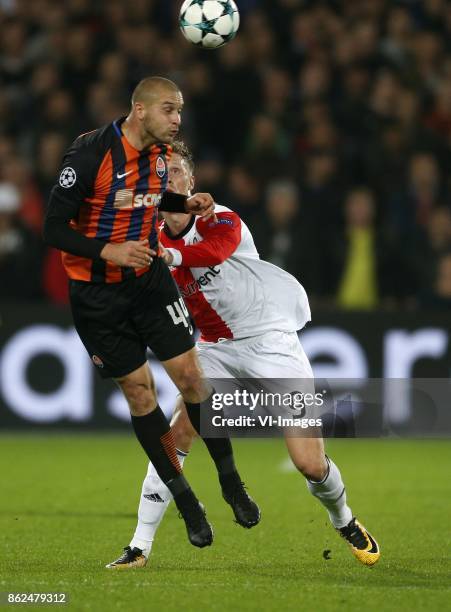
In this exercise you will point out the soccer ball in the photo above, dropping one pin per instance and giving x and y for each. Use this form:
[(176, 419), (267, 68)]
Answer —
[(209, 23)]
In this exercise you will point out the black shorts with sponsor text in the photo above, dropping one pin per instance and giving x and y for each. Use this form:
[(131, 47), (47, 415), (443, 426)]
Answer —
[(118, 321)]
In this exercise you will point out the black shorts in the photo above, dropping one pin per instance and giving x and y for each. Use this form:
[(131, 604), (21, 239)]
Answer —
[(118, 321)]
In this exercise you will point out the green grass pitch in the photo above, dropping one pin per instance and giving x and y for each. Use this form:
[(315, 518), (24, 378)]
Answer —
[(68, 502)]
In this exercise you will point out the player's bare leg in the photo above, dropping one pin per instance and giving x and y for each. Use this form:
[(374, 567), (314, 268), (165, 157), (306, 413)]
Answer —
[(186, 373), (324, 482), (154, 434), (184, 433)]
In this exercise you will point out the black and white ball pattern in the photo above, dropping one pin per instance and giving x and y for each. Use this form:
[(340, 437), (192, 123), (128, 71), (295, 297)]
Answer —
[(68, 177), (209, 23)]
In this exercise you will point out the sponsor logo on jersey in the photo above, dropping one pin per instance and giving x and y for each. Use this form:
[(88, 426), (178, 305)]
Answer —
[(160, 167), (127, 198), (97, 361), (68, 177), (202, 281)]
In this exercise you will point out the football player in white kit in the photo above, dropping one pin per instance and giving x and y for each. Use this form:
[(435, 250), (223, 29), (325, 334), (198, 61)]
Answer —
[(248, 312)]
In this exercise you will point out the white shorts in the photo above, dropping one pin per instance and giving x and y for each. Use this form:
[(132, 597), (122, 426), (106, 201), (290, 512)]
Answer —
[(272, 355), (274, 364)]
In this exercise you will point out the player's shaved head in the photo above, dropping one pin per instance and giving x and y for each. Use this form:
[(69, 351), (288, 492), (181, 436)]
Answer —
[(151, 88), (156, 111)]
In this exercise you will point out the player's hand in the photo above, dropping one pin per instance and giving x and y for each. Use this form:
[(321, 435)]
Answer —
[(166, 255), (201, 204), (133, 253)]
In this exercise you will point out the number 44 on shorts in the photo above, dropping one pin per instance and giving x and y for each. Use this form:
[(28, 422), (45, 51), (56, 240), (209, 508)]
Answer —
[(179, 314)]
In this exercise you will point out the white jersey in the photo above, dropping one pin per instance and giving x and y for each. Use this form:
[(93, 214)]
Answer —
[(229, 290)]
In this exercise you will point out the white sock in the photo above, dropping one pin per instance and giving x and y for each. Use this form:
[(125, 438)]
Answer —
[(331, 493), (155, 498)]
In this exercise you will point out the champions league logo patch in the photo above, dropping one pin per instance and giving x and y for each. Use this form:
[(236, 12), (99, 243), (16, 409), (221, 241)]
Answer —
[(160, 167), (68, 177), (221, 222)]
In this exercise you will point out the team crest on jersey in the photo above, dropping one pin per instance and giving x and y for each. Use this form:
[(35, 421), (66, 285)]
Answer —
[(160, 167), (97, 361), (68, 177)]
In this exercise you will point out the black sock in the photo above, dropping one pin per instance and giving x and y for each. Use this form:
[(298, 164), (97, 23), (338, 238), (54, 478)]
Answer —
[(220, 449), (155, 436)]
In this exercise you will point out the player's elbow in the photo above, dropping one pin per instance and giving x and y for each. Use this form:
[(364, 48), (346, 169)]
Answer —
[(227, 252), (220, 259)]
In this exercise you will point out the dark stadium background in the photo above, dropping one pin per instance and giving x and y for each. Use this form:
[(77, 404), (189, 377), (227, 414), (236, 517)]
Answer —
[(325, 124)]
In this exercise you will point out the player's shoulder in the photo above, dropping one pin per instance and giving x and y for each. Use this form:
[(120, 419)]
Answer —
[(85, 155), (94, 141)]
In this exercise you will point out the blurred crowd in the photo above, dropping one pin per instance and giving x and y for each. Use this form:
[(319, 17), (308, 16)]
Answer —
[(325, 124)]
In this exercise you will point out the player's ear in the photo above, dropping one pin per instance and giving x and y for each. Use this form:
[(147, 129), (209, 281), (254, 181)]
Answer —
[(191, 183), (138, 107)]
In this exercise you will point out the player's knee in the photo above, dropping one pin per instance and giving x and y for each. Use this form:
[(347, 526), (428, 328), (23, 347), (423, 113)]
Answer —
[(190, 383), (140, 397)]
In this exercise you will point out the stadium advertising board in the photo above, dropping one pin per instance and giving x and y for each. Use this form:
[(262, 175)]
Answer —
[(48, 381)]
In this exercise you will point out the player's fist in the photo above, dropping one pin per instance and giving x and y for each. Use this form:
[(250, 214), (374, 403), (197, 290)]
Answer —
[(132, 254), (201, 204)]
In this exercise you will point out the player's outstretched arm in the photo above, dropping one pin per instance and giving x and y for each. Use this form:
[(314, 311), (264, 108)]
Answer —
[(220, 238)]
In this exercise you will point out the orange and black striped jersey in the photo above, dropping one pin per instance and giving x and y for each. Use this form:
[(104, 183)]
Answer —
[(110, 192)]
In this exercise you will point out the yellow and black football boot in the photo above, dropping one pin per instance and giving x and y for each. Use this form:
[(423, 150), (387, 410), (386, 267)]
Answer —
[(364, 547), (131, 558)]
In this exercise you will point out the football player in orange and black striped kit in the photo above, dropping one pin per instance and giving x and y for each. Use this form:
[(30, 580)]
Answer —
[(103, 215)]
